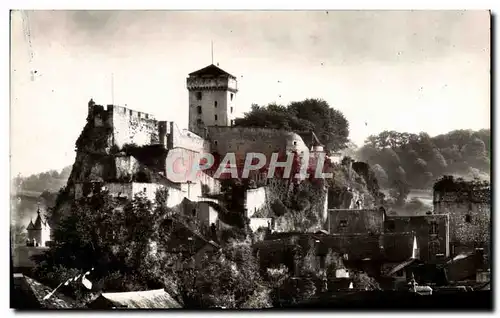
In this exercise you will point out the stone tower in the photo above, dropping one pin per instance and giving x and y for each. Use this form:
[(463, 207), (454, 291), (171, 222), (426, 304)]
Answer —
[(212, 95)]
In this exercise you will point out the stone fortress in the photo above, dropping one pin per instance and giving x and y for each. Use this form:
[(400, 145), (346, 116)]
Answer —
[(212, 103)]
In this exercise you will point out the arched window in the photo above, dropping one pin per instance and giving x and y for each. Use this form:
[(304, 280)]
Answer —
[(198, 109)]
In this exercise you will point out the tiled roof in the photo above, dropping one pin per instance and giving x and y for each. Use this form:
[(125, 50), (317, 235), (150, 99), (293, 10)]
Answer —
[(211, 70), (30, 286), (31, 226)]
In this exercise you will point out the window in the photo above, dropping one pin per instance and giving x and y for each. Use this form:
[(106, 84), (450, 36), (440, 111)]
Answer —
[(343, 223), (215, 104), (231, 109), (144, 190), (199, 121), (215, 117), (194, 212), (215, 142), (146, 116), (468, 218), (433, 228), (295, 143), (130, 112), (199, 109), (198, 95), (232, 96)]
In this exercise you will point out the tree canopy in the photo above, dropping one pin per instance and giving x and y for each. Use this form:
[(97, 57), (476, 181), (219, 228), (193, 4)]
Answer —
[(330, 125), (404, 160)]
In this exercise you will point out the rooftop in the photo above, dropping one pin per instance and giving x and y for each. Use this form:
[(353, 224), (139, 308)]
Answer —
[(211, 70), (136, 299)]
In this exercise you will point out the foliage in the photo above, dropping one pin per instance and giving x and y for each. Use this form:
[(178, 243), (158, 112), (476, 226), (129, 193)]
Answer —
[(18, 234), (50, 181), (300, 206), (110, 235), (329, 124), (361, 280), (424, 158), (230, 279)]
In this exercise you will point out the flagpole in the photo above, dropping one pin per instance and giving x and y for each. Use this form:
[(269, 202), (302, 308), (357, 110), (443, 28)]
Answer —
[(70, 280), (112, 88), (52, 292)]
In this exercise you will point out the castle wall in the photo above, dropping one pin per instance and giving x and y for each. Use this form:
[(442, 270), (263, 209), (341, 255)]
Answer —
[(132, 127), (469, 217), (126, 166), (255, 199), (469, 223), (240, 140), (187, 140), (211, 184)]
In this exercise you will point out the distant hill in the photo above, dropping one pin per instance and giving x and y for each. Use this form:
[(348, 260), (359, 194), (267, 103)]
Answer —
[(419, 160), (51, 181), (38, 190)]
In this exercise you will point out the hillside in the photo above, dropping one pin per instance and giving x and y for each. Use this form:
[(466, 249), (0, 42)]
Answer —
[(418, 160)]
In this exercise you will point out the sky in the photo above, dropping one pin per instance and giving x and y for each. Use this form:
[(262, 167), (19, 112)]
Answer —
[(407, 71)]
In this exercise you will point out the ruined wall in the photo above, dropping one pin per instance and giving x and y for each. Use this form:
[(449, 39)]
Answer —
[(469, 217), (343, 221), (255, 199), (132, 127)]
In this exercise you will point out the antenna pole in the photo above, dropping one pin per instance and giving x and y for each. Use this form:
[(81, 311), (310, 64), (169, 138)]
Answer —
[(212, 52)]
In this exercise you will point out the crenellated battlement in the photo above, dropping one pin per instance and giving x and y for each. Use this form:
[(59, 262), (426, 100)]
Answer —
[(129, 112)]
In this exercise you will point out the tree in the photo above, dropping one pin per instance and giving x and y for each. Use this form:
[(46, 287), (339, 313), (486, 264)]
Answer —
[(110, 235), (363, 281), (230, 279), (381, 175), (18, 234), (424, 157), (329, 124)]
